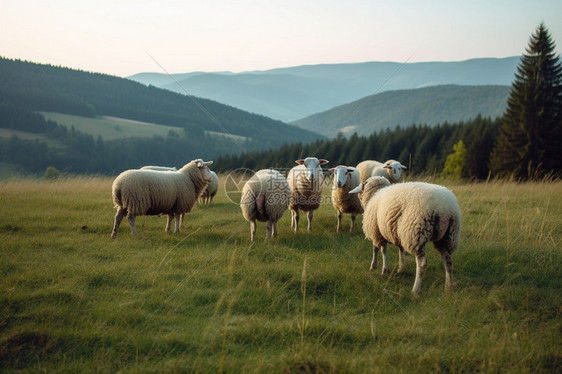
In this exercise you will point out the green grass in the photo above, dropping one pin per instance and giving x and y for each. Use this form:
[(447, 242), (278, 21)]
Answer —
[(206, 300), (111, 128)]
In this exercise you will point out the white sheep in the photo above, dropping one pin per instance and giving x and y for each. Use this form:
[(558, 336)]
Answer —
[(306, 181), (159, 168), (265, 197), (152, 192), (345, 179), (211, 190), (409, 215), (391, 170)]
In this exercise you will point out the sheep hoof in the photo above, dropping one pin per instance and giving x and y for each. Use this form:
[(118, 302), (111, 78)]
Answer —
[(385, 271)]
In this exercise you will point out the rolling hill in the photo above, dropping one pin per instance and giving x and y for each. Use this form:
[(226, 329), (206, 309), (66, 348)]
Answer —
[(430, 106), (292, 93), (55, 89)]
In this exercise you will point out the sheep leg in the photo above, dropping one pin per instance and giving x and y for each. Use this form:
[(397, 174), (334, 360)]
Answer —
[(269, 231), (384, 260), (274, 229), (309, 217), (375, 255), (421, 264), (400, 259), (131, 219), (353, 217), (338, 226), (169, 222), (295, 219), (448, 263), (177, 216), (252, 230), (118, 219)]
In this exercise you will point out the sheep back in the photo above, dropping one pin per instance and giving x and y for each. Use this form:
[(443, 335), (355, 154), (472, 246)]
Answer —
[(265, 196), (411, 214), (151, 192), (366, 167)]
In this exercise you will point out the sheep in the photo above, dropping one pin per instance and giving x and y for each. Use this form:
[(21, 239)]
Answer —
[(265, 197), (345, 179), (391, 169), (159, 168), (152, 192), (409, 215), (306, 181), (211, 190)]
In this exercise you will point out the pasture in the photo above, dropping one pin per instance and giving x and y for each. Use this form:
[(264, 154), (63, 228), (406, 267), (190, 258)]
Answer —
[(206, 300)]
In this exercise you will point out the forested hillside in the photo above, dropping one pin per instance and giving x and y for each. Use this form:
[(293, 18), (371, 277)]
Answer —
[(27, 88), (430, 106), (423, 149), (55, 89)]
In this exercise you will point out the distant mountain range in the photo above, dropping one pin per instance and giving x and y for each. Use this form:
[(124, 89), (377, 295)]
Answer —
[(292, 93), (423, 106)]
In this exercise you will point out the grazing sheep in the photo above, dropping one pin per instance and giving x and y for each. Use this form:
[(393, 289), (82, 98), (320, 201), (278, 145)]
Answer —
[(306, 182), (391, 170), (159, 168), (265, 197), (152, 192), (345, 179), (211, 190), (409, 215)]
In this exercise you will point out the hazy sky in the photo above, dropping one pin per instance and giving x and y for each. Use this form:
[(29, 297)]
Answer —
[(125, 37)]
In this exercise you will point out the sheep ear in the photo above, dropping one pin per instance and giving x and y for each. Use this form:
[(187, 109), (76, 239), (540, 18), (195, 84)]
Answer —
[(349, 170), (323, 161), (300, 161), (386, 167), (207, 163), (357, 189), (403, 167), (332, 169)]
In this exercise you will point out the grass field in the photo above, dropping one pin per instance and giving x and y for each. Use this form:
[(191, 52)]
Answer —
[(206, 300)]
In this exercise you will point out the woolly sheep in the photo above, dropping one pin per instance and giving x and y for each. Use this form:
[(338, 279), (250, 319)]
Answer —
[(159, 168), (306, 182), (211, 190), (345, 179), (152, 192), (409, 215), (391, 169), (265, 197)]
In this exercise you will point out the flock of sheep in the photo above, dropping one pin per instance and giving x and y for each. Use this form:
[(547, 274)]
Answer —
[(408, 214)]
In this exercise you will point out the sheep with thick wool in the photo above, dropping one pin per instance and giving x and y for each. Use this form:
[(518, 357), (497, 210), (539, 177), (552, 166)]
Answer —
[(306, 181), (265, 197), (409, 215), (159, 168), (346, 178), (391, 170), (211, 190), (152, 192)]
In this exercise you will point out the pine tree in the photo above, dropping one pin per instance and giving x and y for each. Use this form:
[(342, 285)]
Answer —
[(530, 137)]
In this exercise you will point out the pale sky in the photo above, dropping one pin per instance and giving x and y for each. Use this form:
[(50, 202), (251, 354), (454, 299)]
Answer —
[(125, 37)]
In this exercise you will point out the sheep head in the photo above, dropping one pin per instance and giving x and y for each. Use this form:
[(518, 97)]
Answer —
[(394, 169), (312, 165), (368, 188), (341, 173)]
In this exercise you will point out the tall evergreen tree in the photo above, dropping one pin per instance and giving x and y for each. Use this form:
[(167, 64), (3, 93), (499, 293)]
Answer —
[(530, 136)]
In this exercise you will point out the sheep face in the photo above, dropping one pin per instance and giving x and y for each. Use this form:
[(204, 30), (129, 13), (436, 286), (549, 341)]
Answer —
[(394, 169), (341, 173), (312, 165), (204, 169)]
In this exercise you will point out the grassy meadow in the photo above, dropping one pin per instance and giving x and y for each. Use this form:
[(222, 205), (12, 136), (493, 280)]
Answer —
[(206, 300)]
